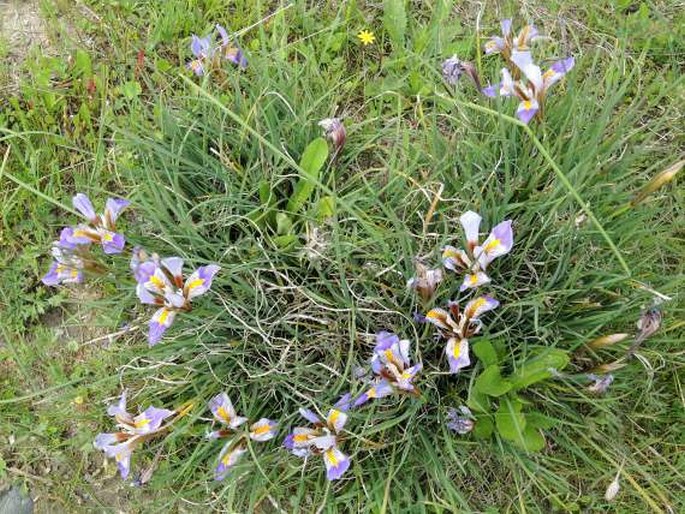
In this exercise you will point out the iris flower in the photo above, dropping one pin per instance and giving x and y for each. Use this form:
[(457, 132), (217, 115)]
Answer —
[(206, 52), (531, 93), (100, 229), (161, 283), (392, 367), (460, 420), (507, 44), (203, 51), (71, 252), (138, 257), (224, 412), (229, 51), (426, 281), (477, 256), (335, 132), (600, 383), (67, 266), (457, 327), (323, 439), (453, 69), (134, 430)]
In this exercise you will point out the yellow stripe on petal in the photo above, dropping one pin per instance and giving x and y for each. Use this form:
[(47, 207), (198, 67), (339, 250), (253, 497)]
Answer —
[(474, 307), (226, 460), (390, 356), (163, 316), (332, 457), (492, 245), (433, 314), (262, 429), (140, 423), (157, 282), (333, 417), (300, 438), (223, 414), (196, 283)]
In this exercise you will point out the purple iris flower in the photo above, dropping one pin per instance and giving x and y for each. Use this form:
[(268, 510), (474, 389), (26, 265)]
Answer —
[(391, 364), (70, 252), (335, 132), (600, 383), (475, 259), (323, 439), (507, 43), (67, 266), (133, 431), (460, 420), (224, 412), (100, 229), (453, 68), (160, 283), (425, 281), (532, 92), (230, 50), (206, 51), (457, 327)]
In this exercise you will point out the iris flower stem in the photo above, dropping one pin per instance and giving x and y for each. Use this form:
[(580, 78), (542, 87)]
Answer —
[(560, 174)]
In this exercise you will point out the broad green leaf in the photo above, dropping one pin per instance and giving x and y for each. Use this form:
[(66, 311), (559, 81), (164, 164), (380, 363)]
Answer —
[(325, 208), (312, 161), (510, 424), (266, 197), (485, 352), (82, 64), (314, 157), (490, 382), (532, 440), (483, 428), (538, 368), (539, 420), (478, 401), (285, 241), (163, 65), (395, 22), (131, 89), (283, 224)]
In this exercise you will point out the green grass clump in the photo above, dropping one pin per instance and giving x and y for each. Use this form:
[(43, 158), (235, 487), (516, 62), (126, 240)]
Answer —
[(210, 165)]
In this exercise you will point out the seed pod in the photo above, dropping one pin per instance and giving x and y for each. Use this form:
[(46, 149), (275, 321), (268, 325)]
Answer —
[(604, 341), (658, 181), (612, 490)]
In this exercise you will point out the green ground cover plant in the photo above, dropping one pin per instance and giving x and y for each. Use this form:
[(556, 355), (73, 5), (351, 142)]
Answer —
[(316, 241)]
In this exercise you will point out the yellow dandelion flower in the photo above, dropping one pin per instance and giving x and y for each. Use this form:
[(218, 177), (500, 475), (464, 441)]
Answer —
[(366, 37)]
